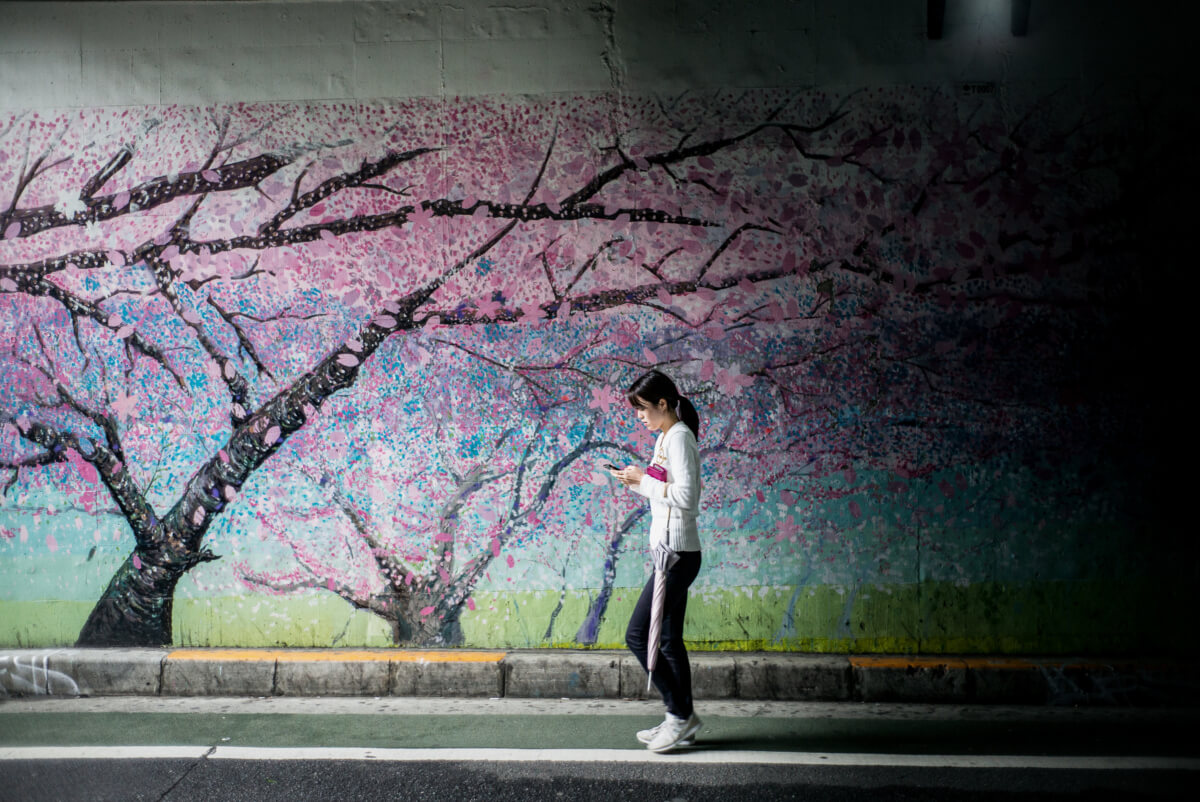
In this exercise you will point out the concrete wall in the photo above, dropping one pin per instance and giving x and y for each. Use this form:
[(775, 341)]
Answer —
[(908, 282), (79, 55)]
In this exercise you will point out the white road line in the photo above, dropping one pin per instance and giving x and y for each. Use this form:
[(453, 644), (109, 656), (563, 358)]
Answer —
[(100, 752), (713, 756)]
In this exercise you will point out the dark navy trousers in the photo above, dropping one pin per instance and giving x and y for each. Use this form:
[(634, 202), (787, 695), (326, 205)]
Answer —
[(672, 673)]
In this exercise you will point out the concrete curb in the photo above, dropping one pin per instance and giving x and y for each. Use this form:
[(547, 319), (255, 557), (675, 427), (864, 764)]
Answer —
[(556, 673)]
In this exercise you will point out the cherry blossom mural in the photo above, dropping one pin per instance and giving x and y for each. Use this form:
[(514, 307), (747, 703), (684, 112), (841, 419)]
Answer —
[(374, 354)]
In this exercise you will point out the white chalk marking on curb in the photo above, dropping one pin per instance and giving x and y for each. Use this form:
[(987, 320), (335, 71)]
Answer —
[(715, 756)]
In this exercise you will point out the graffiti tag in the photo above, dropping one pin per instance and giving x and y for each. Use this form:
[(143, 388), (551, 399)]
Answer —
[(33, 676)]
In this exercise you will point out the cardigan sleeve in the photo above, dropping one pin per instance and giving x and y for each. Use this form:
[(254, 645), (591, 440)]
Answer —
[(683, 456)]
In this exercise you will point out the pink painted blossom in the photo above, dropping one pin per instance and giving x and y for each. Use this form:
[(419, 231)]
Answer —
[(787, 529), (604, 398), (731, 381), (86, 470)]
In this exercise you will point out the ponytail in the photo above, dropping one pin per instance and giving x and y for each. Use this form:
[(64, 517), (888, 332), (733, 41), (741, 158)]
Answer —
[(687, 413)]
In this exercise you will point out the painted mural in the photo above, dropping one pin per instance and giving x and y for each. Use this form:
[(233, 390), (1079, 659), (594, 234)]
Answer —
[(346, 374)]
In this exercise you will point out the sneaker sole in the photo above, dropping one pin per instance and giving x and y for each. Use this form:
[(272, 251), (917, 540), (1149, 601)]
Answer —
[(688, 739)]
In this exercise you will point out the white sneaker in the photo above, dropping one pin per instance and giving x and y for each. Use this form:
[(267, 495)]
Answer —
[(646, 736), (673, 733)]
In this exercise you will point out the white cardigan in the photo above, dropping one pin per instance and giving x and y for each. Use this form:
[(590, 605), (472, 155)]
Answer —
[(674, 503)]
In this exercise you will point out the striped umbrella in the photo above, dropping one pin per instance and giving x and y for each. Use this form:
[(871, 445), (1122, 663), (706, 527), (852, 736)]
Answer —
[(664, 557)]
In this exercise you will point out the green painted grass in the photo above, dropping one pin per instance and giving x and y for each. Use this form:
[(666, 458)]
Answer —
[(932, 618)]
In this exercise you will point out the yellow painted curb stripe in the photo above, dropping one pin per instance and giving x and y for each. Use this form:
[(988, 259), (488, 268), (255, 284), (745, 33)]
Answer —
[(338, 655)]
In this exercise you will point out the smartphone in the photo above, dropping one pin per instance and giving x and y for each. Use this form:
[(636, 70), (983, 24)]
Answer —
[(610, 466)]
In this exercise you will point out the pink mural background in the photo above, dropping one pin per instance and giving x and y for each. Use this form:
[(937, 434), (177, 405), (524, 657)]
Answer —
[(379, 350)]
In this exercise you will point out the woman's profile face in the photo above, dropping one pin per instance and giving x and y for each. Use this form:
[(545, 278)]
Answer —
[(653, 417)]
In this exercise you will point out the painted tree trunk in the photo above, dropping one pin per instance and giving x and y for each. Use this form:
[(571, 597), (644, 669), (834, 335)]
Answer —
[(135, 609), (589, 630), (431, 629)]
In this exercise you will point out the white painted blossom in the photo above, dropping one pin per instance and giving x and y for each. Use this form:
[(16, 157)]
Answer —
[(69, 203)]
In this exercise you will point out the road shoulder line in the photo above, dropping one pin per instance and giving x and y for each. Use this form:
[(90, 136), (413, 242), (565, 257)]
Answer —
[(713, 756)]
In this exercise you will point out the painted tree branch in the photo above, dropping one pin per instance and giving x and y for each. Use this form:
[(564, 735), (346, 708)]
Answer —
[(80, 308), (110, 469), (148, 195), (357, 178)]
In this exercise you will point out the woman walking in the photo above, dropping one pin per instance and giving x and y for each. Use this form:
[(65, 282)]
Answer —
[(672, 484)]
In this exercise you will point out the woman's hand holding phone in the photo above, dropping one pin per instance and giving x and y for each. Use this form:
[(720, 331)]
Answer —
[(630, 476)]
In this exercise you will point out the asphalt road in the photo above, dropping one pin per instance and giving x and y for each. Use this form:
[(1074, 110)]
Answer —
[(440, 781), (513, 749)]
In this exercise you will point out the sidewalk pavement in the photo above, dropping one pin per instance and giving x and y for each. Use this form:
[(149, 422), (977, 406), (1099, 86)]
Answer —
[(562, 673)]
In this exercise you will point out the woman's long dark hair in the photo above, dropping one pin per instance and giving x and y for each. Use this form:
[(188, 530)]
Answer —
[(654, 386)]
